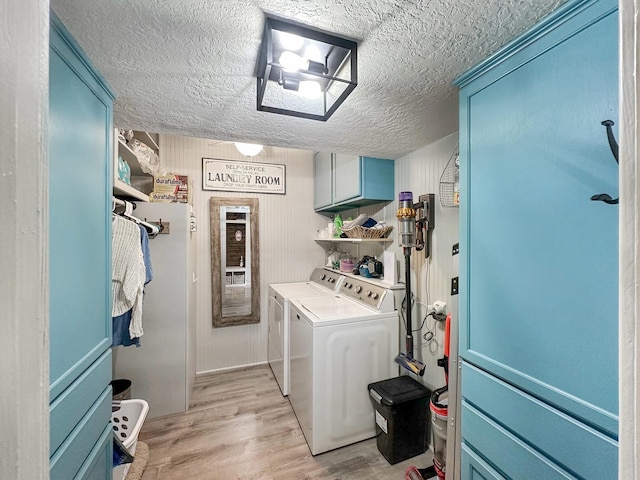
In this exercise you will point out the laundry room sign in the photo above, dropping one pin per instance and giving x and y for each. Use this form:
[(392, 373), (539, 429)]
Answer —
[(230, 176)]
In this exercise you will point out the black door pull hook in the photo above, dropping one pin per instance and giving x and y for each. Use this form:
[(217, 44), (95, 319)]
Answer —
[(612, 140), (605, 197), (613, 145)]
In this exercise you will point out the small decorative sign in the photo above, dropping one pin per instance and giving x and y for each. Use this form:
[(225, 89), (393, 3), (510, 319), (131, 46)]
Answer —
[(230, 176), (171, 189)]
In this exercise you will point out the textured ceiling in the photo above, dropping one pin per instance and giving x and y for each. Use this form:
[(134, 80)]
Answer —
[(187, 66)]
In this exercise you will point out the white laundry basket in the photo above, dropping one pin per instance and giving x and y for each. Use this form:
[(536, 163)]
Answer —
[(127, 422)]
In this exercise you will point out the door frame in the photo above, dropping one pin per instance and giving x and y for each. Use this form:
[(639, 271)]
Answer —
[(26, 342), (629, 276), (24, 283)]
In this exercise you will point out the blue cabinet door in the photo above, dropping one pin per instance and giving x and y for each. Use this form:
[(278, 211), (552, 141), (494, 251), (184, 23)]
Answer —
[(539, 259), (475, 468), (347, 179), (322, 174), (80, 149)]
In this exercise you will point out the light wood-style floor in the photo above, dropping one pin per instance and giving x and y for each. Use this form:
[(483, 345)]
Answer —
[(240, 427)]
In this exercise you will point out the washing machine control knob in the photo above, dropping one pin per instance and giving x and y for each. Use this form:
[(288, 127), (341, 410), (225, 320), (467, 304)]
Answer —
[(369, 293), (358, 289), (323, 277), (375, 296)]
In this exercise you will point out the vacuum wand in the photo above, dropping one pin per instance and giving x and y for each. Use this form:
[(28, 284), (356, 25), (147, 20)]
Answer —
[(407, 279)]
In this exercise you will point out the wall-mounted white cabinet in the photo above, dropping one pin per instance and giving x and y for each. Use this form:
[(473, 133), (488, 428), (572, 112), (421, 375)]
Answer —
[(348, 181), (141, 182), (162, 370)]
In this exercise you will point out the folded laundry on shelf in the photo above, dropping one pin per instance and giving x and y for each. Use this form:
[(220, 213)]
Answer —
[(359, 220)]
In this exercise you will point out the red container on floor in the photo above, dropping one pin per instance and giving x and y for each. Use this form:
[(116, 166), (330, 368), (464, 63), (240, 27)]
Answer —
[(439, 407)]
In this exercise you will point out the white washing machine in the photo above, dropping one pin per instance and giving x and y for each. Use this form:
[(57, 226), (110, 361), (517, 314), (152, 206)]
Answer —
[(339, 345), (322, 283)]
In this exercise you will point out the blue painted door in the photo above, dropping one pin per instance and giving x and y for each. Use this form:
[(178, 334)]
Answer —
[(539, 261), (80, 146)]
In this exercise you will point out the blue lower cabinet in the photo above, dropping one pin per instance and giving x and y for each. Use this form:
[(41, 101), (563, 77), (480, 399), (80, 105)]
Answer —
[(77, 449), (503, 423), (100, 462), (473, 467), (72, 405), (505, 451)]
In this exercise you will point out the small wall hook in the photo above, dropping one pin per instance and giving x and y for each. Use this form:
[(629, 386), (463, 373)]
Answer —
[(613, 145)]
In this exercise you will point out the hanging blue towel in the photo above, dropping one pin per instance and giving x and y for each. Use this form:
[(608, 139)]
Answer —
[(120, 335), (146, 254)]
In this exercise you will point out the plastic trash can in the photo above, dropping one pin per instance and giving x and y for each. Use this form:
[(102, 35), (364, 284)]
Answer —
[(402, 417), (121, 389)]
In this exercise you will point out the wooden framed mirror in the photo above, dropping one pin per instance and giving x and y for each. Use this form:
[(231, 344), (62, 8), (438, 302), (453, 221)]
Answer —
[(235, 261)]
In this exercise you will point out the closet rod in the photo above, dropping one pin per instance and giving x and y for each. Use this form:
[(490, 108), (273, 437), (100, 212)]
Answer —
[(152, 230)]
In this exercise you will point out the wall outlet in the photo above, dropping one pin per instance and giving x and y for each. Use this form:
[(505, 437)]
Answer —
[(439, 307)]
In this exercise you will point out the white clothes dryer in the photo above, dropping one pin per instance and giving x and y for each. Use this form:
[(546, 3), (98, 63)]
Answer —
[(322, 283), (339, 345)]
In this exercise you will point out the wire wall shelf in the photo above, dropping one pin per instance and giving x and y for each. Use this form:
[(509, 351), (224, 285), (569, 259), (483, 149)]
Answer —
[(450, 182)]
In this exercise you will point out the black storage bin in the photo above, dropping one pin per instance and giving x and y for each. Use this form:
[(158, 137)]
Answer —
[(402, 417), (121, 389)]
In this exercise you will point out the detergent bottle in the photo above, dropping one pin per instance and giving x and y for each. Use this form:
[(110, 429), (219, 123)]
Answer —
[(337, 222)]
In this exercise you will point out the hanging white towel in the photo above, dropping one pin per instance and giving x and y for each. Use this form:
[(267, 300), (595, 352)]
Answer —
[(128, 273)]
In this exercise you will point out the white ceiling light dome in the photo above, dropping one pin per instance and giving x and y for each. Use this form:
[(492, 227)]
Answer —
[(248, 149)]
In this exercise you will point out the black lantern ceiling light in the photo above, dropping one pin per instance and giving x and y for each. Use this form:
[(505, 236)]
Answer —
[(304, 72)]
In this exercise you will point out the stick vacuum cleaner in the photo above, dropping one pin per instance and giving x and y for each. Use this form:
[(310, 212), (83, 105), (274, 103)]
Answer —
[(406, 215)]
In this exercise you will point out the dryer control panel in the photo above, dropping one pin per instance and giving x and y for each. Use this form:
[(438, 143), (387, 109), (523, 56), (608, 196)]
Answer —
[(327, 278), (373, 296)]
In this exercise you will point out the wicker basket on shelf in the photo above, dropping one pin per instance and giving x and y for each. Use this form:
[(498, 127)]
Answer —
[(362, 232)]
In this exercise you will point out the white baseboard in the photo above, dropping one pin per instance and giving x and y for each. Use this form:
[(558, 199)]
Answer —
[(229, 369)]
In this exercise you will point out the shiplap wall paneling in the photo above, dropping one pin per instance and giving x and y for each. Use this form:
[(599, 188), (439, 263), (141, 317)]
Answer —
[(288, 252), (419, 172)]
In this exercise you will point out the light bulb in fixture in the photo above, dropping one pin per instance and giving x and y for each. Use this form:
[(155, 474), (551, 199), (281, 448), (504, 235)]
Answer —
[(291, 41), (290, 84), (310, 88), (248, 149), (291, 61), (317, 67)]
